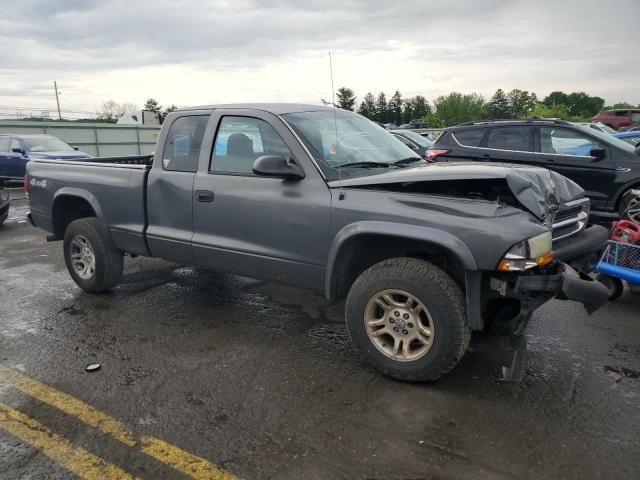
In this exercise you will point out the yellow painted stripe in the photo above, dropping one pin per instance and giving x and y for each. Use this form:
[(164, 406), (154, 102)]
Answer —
[(67, 404), (75, 459), (182, 461), (175, 457)]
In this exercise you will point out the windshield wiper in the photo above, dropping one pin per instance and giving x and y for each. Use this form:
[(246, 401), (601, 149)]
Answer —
[(366, 165), (406, 161)]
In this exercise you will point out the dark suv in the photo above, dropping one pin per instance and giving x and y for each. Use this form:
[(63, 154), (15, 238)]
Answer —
[(605, 166)]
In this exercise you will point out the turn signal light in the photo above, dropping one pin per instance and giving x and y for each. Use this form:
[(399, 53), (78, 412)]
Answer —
[(546, 259)]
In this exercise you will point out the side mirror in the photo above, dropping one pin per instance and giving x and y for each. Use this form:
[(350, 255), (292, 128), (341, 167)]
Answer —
[(598, 153), (277, 166), (17, 150)]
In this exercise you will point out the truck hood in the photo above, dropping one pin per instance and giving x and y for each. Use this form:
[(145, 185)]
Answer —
[(539, 190), (65, 155)]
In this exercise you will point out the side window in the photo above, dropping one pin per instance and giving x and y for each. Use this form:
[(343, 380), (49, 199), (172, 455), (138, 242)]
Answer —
[(510, 138), (635, 118), (5, 143), (405, 141), (14, 144), (240, 140), (182, 148), (621, 113), (563, 141), (470, 138)]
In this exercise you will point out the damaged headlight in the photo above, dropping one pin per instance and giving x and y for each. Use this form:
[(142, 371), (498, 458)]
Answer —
[(530, 253)]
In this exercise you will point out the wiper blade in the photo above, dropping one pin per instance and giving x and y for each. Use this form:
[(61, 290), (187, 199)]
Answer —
[(406, 161), (366, 165)]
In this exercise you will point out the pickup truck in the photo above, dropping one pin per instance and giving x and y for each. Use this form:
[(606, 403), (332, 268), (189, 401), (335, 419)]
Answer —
[(324, 199)]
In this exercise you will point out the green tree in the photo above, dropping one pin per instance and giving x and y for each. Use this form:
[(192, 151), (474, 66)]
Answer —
[(152, 105), (542, 110), (556, 98), (583, 105), (434, 121), (498, 106), (346, 98), (521, 102), (395, 108), (457, 108), (415, 108), (619, 105), (167, 111), (382, 112), (368, 106)]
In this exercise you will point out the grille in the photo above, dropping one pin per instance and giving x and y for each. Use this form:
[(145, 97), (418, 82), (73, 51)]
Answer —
[(571, 219)]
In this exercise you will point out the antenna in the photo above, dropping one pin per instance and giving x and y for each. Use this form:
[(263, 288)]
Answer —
[(335, 125)]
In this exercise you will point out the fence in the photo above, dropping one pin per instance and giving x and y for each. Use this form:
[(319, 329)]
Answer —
[(96, 139)]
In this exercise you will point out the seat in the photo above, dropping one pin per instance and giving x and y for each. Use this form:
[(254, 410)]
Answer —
[(240, 155)]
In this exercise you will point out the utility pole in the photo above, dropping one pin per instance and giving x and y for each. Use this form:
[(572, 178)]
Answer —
[(55, 86)]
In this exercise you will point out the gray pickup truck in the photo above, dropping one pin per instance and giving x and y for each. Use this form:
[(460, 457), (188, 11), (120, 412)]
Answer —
[(326, 200)]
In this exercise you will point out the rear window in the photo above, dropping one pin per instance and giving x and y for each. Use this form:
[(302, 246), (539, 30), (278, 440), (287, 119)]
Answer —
[(510, 138), (469, 138), (5, 142), (182, 148)]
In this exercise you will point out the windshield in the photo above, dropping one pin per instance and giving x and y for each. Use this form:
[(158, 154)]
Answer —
[(359, 146), (45, 143), (417, 138), (633, 141), (611, 140)]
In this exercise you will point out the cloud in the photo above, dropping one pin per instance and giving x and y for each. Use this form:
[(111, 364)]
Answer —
[(433, 47)]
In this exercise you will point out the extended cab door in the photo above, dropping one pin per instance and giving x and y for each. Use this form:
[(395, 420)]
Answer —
[(568, 151), (170, 187), (257, 226)]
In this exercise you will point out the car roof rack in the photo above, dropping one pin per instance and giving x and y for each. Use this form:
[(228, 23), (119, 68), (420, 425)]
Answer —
[(558, 121)]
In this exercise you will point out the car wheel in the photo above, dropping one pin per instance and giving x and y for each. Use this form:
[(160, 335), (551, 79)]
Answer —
[(407, 318), (630, 209), (93, 261), (614, 285)]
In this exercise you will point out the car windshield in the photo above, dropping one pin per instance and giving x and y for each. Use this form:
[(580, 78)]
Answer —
[(611, 140), (45, 143), (605, 128), (634, 141), (417, 138), (347, 141)]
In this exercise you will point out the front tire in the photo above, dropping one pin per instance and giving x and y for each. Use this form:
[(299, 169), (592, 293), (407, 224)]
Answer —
[(615, 287), (407, 318), (92, 259)]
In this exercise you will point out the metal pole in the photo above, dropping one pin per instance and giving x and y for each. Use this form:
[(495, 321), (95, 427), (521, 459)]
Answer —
[(55, 86)]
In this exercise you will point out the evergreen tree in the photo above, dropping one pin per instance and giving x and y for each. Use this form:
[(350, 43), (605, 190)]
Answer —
[(381, 108), (415, 108), (395, 108), (346, 99), (368, 106), (521, 102), (498, 106), (152, 104)]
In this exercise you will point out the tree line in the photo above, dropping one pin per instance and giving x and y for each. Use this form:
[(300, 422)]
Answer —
[(456, 107), (110, 111)]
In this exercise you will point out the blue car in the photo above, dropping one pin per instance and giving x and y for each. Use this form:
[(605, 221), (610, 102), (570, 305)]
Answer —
[(17, 150), (632, 138)]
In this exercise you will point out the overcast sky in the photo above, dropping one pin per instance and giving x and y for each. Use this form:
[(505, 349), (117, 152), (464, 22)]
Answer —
[(198, 51)]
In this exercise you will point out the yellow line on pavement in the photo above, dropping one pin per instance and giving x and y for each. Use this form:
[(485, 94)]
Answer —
[(181, 460), (67, 404), (75, 459)]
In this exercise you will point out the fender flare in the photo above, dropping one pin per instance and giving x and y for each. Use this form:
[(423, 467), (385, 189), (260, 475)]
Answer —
[(456, 247), (89, 197)]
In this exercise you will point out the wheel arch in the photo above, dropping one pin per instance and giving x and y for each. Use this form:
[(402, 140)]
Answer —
[(70, 204), (631, 185), (359, 245)]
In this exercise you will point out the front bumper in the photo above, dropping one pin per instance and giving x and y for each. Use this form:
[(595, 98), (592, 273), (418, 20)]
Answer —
[(584, 250), (518, 296)]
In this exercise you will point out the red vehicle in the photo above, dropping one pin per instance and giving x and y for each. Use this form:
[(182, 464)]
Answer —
[(618, 119)]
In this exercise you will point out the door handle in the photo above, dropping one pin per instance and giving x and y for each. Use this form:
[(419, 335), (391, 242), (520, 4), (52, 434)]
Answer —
[(549, 160), (205, 196)]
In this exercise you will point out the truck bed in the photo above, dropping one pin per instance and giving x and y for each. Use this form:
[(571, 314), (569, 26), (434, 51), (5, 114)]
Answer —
[(114, 188)]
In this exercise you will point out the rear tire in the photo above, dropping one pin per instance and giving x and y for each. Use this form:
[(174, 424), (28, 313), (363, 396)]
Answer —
[(614, 285), (407, 318), (92, 259)]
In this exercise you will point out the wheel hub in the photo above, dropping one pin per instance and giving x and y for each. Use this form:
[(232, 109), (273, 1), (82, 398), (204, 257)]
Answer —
[(399, 325), (83, 258)]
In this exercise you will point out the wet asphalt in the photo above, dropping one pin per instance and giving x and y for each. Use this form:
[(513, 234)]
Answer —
[(261, 380)]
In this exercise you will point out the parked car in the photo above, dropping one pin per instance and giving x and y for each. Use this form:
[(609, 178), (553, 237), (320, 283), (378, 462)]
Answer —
[(605, 166), (4, 203), (620, 118), (418, 143), (323, 199), (390, 126), (17, 150), (631, 137)]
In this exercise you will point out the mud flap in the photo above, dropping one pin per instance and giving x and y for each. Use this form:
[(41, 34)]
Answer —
[(518, 348)]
